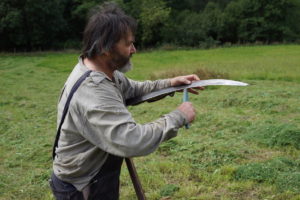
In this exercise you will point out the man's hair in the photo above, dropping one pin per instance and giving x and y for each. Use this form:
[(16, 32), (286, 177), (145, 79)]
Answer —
[(107, 25)]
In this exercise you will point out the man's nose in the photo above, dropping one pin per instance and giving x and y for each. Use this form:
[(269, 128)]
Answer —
[(132, 49)]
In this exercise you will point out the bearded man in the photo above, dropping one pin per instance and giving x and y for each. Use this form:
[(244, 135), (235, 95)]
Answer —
[(98, 131)]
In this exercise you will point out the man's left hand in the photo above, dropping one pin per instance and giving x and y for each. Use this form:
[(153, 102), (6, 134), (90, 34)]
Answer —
[(185, 80)]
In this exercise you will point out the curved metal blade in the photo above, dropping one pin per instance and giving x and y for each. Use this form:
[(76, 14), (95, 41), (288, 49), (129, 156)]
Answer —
[(156, 95)]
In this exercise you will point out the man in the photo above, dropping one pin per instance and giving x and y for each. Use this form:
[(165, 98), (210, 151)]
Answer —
[(98, 131)]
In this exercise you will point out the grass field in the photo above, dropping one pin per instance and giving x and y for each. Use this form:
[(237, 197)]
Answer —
[(244, 144)]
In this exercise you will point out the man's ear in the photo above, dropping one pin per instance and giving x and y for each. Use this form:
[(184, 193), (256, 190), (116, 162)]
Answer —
[(107, 53)]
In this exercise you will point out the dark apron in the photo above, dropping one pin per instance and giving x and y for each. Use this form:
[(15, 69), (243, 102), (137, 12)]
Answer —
[(104, 186)]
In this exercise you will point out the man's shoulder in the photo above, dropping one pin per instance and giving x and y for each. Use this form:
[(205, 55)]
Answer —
[(99, 87), (97, 78), (91, 95), (121, 79)]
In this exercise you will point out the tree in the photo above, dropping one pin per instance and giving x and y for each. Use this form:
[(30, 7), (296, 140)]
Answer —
[(78, 14), (152, 16), (264, 20), (231, 21), (43, 24), (212, 21), (30, 24)]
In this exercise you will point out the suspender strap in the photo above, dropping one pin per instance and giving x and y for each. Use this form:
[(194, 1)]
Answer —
[(66, 108), (113, 162)]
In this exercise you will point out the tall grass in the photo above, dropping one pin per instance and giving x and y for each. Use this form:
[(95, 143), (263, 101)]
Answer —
[(255, 62), (244, 143)]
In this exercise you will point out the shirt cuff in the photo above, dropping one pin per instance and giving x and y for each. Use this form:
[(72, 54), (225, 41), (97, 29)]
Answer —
[(180, 119), (167, 82)]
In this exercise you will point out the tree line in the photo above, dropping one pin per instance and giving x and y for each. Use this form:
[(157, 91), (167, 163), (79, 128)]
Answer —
[(58, 24)]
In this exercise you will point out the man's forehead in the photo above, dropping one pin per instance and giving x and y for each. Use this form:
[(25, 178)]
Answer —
[(129, 36), (126, 39)]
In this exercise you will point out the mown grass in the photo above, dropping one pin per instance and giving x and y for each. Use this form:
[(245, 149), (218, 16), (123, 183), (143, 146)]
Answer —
[(244, 143)]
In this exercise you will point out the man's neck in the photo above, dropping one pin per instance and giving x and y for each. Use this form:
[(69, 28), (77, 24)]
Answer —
[(99, 64)]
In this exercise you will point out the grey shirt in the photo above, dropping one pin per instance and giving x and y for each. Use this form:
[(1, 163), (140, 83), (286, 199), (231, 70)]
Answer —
[(99, 123)]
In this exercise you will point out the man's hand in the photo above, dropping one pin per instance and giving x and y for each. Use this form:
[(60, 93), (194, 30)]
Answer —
[(188, 110), (185, 80)]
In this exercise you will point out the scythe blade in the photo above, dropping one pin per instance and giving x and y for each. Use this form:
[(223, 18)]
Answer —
[(156, 95)]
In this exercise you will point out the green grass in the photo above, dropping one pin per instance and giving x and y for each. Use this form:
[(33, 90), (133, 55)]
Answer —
[(244, 143)]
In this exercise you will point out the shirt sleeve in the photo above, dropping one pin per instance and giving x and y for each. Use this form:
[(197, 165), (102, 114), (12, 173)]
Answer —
[(110, 126), (132, 88)]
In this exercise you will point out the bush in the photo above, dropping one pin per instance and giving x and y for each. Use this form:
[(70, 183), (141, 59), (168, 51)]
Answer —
[(201, 72)]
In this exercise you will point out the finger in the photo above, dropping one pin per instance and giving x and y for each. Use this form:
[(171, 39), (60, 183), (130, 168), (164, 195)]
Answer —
[(185, 80), (192, 91), (196, 78), (188, 103), (193, 118), (193, 77), (200, 88)]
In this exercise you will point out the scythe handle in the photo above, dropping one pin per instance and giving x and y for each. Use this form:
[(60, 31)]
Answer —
[(185, 99), (135, 179)]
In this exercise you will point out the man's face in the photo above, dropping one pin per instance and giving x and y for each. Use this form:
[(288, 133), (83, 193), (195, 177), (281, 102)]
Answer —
[(122, 52)]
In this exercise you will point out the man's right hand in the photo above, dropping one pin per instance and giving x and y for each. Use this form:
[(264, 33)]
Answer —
[(188, 110)]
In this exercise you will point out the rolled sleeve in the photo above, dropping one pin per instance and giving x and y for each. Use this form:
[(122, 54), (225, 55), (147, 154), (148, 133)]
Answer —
[(112, 128), (131, 88)]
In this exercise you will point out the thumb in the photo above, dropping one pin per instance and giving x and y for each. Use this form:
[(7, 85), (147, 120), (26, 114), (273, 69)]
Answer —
[(186, 81)]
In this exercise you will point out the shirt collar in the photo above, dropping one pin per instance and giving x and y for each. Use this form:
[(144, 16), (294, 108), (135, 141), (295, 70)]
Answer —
[(97, 76)]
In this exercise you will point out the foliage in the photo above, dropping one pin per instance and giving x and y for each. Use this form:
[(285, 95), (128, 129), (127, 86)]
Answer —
[(189, 33), (263, 21), (30, 24), (151, 15), (38, 25)]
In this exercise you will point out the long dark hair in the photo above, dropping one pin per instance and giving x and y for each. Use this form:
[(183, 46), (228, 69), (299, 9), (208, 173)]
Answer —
[(106, 26)]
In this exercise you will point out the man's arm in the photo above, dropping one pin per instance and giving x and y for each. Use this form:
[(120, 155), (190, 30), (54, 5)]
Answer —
[(131, 88), (138, 88), (112, 129), (110, 126)]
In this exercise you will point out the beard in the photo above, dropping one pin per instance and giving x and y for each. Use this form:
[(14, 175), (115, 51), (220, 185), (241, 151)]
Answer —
[(122, 63), (126, 68)]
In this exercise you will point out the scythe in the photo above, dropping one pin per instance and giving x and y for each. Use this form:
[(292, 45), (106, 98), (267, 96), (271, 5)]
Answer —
[(157, 95)]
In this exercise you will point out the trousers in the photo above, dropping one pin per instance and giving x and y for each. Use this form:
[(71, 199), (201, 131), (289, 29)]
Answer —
[(104, 186)]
